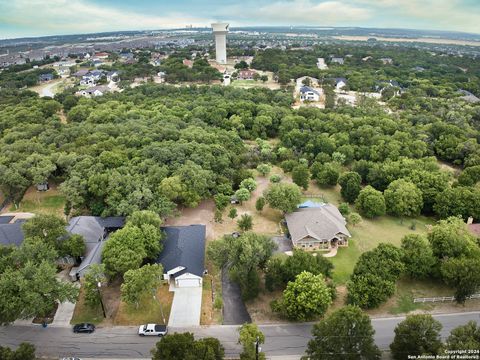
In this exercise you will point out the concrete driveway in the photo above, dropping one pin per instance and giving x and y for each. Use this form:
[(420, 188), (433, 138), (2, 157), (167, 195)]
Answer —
[(283, 244), (186, 307)]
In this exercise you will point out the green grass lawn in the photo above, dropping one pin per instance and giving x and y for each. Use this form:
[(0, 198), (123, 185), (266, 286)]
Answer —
[(367, 235), (51, 204)]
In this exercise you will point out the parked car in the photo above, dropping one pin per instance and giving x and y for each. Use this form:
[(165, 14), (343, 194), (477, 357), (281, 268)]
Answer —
[(152, 330), (84, 328)]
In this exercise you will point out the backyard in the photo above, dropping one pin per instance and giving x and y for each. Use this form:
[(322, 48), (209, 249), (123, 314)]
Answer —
[(42, 202)]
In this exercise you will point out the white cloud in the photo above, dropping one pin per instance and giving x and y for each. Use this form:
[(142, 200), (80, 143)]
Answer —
[(304, 12), (62, 16), (433, 14)]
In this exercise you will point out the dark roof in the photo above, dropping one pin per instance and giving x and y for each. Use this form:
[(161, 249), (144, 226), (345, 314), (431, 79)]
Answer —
[(305, 89), (6, 219), (11, 234), (184, 246), (112, 222)]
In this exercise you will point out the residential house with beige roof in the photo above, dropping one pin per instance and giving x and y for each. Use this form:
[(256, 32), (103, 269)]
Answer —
[(320, 227)]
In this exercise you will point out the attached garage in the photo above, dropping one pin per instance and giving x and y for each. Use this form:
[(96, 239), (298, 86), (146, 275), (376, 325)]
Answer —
[(188, 280)]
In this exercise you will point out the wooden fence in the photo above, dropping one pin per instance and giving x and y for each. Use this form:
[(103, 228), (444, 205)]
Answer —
[(443, 298)]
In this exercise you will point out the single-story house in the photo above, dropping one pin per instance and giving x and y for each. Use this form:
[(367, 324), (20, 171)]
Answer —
[(340, 83), (468, 96), (183, 255), (45, 77), (309, 94), (386, 61), (317, 228), (95, 231), (81, 73), (94, 91), (321, 64), (337, 60), (112, 76), (246, 74)]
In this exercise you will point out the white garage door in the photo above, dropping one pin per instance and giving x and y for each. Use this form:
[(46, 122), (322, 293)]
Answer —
[(188, 282)]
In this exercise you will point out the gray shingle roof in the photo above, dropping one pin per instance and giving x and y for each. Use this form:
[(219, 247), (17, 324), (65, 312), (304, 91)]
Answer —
[(322, 223), (11, 234), (184, 246), (6, 219)]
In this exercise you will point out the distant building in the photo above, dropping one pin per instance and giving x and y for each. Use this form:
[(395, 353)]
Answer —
[(340, 83), (246, 74), (101, 55), (309, 94), (188, 63), (468, 96), (94, 91), (338, 60), (321, 64), (386, 61), (45, 77)]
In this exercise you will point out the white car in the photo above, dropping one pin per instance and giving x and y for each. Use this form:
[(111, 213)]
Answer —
[(152, 330)]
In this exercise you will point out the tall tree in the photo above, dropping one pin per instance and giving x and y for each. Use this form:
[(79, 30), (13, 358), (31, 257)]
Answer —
[(403, 198), (183, 346), (370, 202), (417, 256), (284, 197), (138, 282), (346, 333), (245, 222), (301, 175), (464, 337), (249, 337), (50, 228), (91, 280), (306, 297), (350, 185), (416, 335), (463, 274)]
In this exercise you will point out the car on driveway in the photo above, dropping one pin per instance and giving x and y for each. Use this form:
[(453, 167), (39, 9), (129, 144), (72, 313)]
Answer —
[(152, 330), (84, 328)]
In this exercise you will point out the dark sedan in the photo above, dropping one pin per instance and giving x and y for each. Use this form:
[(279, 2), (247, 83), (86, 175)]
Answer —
[(84, 328)]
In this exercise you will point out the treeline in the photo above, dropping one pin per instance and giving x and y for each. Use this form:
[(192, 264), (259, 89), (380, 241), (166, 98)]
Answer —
[(21, 79)]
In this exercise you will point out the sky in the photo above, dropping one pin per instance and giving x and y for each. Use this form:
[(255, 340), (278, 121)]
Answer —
[(19, 18)]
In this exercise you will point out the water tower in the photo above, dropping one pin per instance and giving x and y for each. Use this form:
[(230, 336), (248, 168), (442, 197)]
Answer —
[(220, 31)]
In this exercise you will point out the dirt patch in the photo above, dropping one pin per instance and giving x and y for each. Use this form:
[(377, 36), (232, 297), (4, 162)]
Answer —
[(260, 310)]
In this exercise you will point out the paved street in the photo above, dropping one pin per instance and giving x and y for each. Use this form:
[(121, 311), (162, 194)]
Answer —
[(122, 342)]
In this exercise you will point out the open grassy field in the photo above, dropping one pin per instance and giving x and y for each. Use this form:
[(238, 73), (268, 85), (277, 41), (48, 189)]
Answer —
[(84, 313)]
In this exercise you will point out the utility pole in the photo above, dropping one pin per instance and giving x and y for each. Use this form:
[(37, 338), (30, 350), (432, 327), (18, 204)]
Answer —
[(99, 285)]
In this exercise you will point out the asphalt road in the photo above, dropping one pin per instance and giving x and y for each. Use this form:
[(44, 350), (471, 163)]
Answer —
[(122, 342)]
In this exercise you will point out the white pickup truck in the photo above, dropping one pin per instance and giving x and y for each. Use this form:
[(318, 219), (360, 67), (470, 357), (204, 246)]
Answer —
[(152, 330)]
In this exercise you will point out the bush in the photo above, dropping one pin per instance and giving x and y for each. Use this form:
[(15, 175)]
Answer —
[(218, 303), (275, 178), (344, 209)]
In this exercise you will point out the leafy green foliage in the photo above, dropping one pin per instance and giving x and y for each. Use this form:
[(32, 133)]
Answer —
[(183, 346), (403, 198), (284, 197), (74, 246), (463, 274), (301, 176), (243, 255), (417, 256), (350, 185), (50, 228), (94, 276), (416, 335), (245, 222), (249, 334), (464, 337), (305, 297), (374, 276), (25, 351), (137, 282), (260, 203), (370, 202), (346, 333)]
